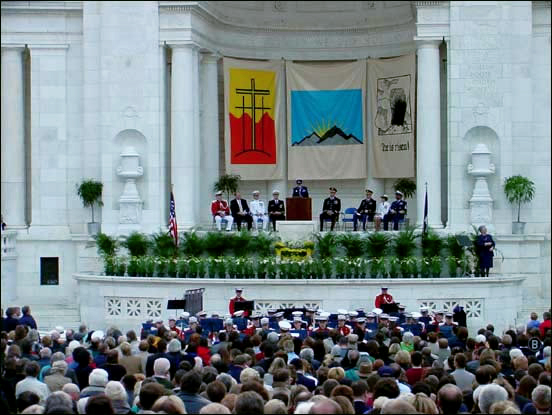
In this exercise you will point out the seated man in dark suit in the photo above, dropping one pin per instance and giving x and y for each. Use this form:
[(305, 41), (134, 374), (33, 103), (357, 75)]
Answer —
[(240, 211), (331, 209), (300, 190), (276, 209)]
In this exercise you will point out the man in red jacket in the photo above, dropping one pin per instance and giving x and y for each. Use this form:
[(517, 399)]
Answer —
[(221, 211), (383, 298), (234, 300), (545, 325)]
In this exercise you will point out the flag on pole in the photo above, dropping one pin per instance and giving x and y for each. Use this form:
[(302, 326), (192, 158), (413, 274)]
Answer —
[(425, 212), (173, 227)]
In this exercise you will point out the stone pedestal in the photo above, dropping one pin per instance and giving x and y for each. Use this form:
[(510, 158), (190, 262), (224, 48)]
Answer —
[(481, 202), (294, 230), (130, 203)]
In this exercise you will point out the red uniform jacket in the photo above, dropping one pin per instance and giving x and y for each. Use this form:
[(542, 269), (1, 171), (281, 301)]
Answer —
[(231, 305), (217, 205), (383, 299)]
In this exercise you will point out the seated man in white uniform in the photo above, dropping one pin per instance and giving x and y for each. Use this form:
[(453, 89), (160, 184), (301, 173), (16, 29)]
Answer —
[(258, 211)]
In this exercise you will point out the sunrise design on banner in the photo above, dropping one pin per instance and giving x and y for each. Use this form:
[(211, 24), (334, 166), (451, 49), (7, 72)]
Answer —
[(326, 118), (251, 113)]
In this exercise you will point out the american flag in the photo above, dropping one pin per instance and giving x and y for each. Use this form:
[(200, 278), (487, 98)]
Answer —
[(173, 227)]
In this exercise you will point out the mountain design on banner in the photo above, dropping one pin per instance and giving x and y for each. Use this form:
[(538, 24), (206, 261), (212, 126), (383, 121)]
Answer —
[(326, 117), (333, 137), (251, 115)]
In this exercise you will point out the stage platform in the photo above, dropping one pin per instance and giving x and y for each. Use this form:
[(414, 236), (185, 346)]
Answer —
[(127, 301)]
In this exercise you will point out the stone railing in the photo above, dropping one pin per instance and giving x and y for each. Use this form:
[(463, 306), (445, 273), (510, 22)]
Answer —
[(8, 243)]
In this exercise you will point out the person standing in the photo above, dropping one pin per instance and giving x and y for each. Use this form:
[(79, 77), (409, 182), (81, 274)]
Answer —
[(396, 213), (258, 211), (27, 319), (485, 250), (276, 209), (330, 209), (383, 298), (365, 211), (220, 211), (300, 190), (240, 211), (381, 210), (238, 298)]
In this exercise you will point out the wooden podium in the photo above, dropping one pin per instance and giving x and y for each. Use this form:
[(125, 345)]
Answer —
[(298, 208)]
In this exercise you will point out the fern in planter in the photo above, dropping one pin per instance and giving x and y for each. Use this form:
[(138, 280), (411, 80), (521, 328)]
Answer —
[(352, 244), (216, 243), (132, 268), (227, 183), (452, 264), (393, 264), (377, 244), (161, 267), (404, 243), (107, 245), (325, 245), (408, 267), (109, 265), (150, 264), (436, 266), (406, 186), (120, 267), (432, 243), (240, 243), (425, 267), (163, 245), (182, 267), (454, 248), (262, 244), (137, 244), (327, 267), (193, 244)]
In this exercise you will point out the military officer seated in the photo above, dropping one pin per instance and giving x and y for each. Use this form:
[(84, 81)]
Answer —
[(365, 211), (276, 209), (397, 212), (330, 209), (258, 212), (221, 212), (300, 190)]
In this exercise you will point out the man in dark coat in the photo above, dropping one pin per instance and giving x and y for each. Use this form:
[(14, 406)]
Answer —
[(485, 250), (396, 213), (300, 190), (276, 209), (240, 211), (365, 211), (27, 318), (330, 209)]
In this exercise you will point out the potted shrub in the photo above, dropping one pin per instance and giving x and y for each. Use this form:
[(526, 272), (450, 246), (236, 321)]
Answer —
[(137, 244), (227, 183), (518, 190), (404, 243), (90, 192), (376, 244)]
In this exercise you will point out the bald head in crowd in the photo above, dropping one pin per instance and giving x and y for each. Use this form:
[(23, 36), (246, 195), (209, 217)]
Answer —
[(449, 399), (326, 406), (397, 406)]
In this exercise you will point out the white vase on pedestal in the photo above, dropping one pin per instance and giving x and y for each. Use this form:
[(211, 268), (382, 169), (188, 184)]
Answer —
[(481, 202), (130, 203)]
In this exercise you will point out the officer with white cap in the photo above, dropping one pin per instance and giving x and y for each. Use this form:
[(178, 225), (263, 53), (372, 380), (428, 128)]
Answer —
[(258, 211), (276, 209), (342, 328), (396, 213)]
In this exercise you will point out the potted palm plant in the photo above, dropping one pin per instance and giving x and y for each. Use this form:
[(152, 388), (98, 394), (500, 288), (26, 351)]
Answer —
[(90, 192), (227, 183), (518, 190)]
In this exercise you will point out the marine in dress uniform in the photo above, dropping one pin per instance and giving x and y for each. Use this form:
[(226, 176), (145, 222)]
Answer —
[(383, 298), (485, 250), (330, 209), (300, 190), (342, 328), (240, 211), (220, 210), (360, 328), (396, 213), (276, 209), (258, 211), (365, 211), (322, 327), (234, 300)]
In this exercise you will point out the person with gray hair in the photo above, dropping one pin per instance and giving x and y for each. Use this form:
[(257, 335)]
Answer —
[(59, 403), (161, 368), (228, 380), (119, 399), (276, 406), (490, 394), (57, 378), (541, 400), (45, 356), (398, 406), (215, 408)]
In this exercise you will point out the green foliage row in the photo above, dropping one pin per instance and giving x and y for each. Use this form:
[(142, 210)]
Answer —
[(269, 268)]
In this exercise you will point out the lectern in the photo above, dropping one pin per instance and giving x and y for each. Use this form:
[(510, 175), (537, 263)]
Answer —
[(298, 208)]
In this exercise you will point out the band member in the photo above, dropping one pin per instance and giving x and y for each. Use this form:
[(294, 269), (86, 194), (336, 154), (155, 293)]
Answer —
[(365, 211), (234, 300), (343, 328), (383, 298), (322, 321), (330, 209), (220, 210), (448, 321), (172, 327), (300, 190), (360, 328), (276, 209)]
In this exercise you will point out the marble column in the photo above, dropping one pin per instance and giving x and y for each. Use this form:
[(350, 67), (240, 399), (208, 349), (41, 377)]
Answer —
[(428, 118), (185, 143), (13, 137), (210, 153)]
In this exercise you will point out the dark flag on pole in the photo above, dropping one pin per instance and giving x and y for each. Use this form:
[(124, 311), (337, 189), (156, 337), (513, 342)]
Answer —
[(173, 227), (425, 211)]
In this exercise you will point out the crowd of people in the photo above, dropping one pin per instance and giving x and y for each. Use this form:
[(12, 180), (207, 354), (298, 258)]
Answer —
[(272, 371)]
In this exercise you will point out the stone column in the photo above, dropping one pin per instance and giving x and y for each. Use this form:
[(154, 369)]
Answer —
[(13, 137), (428, 118), (210, 153), (185, 144)]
